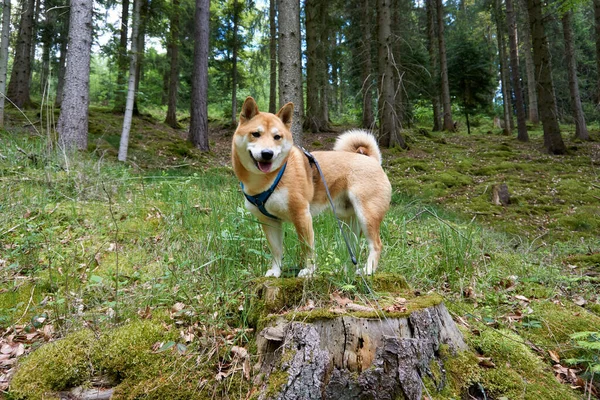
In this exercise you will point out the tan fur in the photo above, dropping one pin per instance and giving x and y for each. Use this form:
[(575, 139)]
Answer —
[(357, 183)]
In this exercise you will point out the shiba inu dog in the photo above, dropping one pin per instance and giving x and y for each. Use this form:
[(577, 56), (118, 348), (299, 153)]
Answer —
[(280, 184)]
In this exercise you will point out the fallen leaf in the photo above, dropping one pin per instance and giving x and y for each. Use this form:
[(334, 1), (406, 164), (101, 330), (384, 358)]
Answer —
[(522, 298), (358, 307), (341, 301), (486, 362), (580, 301), (554, 356)]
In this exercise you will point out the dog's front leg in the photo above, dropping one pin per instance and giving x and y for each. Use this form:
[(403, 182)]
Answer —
[(274, 233), (304, 229)]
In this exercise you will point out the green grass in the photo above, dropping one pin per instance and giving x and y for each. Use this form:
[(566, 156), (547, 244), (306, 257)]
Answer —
[(92, 243)]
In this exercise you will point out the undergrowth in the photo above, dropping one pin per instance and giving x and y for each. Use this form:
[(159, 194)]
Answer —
[(89, 243)]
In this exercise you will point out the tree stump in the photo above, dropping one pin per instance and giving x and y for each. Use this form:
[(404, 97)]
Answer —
[(500, 195), (354, 355)]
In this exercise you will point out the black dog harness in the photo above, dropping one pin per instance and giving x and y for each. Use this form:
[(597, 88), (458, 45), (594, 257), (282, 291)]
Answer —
[(260, 199)]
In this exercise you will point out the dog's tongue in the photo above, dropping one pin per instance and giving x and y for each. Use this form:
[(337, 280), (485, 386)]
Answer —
[(264, 166)]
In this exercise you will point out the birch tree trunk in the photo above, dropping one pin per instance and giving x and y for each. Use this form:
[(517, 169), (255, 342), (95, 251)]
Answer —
[(290, 62), (20, 77), (273, 58), (4, 56), (522, 134), (581, 131), (123, 146), (171, 118), (532, 109), (446, 105), (198, 135), (433, 60), (72, 123), (553, 141)]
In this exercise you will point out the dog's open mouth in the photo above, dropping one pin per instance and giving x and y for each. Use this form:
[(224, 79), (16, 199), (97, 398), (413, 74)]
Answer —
[(263, 166)]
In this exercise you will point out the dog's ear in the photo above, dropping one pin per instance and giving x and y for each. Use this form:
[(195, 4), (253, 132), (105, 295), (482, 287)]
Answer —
[(286, 113), (249, 110)]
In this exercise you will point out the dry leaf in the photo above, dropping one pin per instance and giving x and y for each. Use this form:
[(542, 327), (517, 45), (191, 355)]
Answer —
[(341, 301), (522, 298), (554, 356), (486, 362), (358, 307), (580, 301)]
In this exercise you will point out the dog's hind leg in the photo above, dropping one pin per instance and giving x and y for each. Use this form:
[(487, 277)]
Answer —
[(274, 233), (369, 218)]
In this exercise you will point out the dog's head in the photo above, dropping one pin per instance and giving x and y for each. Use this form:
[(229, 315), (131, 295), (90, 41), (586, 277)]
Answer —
[(262, 141)]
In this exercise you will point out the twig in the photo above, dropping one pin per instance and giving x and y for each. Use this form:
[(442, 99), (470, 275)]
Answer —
[(26, 308)]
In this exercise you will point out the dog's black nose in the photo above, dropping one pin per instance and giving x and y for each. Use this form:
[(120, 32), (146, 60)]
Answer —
[(266, 154)]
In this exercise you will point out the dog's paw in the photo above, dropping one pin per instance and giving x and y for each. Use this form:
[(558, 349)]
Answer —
[(274, 272), (306, 273), (365, 271)]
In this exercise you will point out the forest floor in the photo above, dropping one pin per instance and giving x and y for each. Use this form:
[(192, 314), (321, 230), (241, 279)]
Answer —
[(144, 270)]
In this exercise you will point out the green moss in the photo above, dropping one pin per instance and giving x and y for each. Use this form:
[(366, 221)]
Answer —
[(592, 260), (53, 367), (449, 179)]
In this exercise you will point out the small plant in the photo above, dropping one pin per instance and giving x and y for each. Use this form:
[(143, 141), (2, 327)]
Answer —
[(590, 343)]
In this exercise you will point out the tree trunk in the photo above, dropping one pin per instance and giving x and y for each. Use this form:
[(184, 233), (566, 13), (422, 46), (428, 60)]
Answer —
[(597, 29), (434, 87), (4, 56), (198, 135), (522, 134), (313, 121), (368, 120), (62, 64), (141, 50), (446, 105), (135, 23), (122, 59), (323, 56), (389, 125), (273, 58), (290, 62), (234, 60), (545, 87), (532, 110), (72, 123), (400, 99), (506, 103), (171, 118), (20, 78), (581, 131), (47, 34)]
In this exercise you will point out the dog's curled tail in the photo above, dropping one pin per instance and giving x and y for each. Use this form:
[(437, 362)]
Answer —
[(358, 141)]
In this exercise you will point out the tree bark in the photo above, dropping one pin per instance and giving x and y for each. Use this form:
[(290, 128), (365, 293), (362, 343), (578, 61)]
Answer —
[(62, 63), (323, 55), (506, 103), (532, 110), (434, 87), (234, 61), (4, 56), (72, 123), (597, 29), (20, 78), (290, 62), (122, 59), (141, 50), (544, 86), (131, 87), (522, 134), (389, 125), (198, 135), (368, 120), (448, 123), (313, 121), (171, 118), (273, 58), (357, 358), (581, 131)]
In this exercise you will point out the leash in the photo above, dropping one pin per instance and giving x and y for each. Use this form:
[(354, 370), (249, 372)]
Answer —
[(313, 160)]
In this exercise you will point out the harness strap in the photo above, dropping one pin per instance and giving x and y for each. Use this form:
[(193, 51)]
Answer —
[(260, 200)]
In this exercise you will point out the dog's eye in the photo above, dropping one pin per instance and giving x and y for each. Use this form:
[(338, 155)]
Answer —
[(255, 134), (277, 137)]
